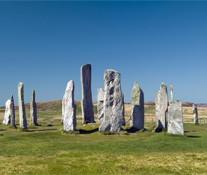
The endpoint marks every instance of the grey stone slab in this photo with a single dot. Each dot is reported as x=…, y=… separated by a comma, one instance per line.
x=195, y=114
x=113, y=102
x=100, y=105
x=7, y=114
x=12, y=112
x=175, y=118
x=171, y=94
x=86, y=102
x=138, y=107
x=69, y=108
x=161, y=106
x=33, y=109
x=22, y=114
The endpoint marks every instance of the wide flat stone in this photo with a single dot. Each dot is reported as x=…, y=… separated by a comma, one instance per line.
x=113, y=102
x=175, y=118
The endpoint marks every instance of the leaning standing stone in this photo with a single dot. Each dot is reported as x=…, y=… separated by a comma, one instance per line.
x=138, y=107
x=22, y=115
x=86, y=102
x=175, y=118
x=12, y=112
x=113, y=102
x=69, y=108
x=7, y=115
x=100, y=102
x=161, y=106
x=195, y=113
x=33, y=109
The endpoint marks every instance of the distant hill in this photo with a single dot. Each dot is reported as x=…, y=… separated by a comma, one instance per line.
x=185, y=104
x=53, y=104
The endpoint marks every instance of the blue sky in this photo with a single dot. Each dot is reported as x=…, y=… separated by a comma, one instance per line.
x=44, y=44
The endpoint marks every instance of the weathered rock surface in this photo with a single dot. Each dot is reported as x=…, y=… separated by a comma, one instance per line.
x=113, y=102
x=22, y=115
x=86, y=102
x=171, y=93
x=138, y=107
x=7, y=115
x=161, y=105
x=175, y=118
x=195, y=114
x=12, y=112
x=69, y=108
x=100, y=103
x=33, y=109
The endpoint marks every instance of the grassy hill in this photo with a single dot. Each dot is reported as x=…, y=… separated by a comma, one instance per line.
x=45, y=150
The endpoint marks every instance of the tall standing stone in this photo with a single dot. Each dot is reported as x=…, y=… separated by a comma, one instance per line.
x=7, y=114
x=100, y=103
x=86, y=103
x=171, y=93
x=195, y=114
x=12, y=112
x=175, y=118
x=161, y=105
x=69, y=108
x=22, y=115
x=33, y=109
x=113, y=102
x=138, y=107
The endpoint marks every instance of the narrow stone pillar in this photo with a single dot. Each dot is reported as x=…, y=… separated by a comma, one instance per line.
x=22, y=114
x=113, y=102
x=171, y=93
x=175, y=118
x=86, y=102
x=69, y=108
x=138, y=107
x=12, y=112
x=33, y=109
x=195, y=114
x=100, y=103
x=161, y=106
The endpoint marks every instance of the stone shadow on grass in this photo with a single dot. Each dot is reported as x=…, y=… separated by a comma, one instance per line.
x=133, y=130
x=193, y=136
x=82, y=131
x=42, y=130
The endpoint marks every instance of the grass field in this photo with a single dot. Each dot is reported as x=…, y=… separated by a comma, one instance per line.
x=45, y=150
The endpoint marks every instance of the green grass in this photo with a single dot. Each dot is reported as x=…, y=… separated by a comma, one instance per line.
x=45, y=150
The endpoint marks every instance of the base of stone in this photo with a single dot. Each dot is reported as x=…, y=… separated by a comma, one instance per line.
x=23, y=130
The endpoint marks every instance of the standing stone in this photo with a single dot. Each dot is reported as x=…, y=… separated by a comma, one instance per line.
x=113, y=102
x=161, y=106
x=100, y=102
x=22, y=115
x=175, y=118
x=195, y=113
x=7, y=116
x=171, y=93
x=69, y=108
x=138, y=107
x=86, y=103
x=12, y=112
x=33, y=109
